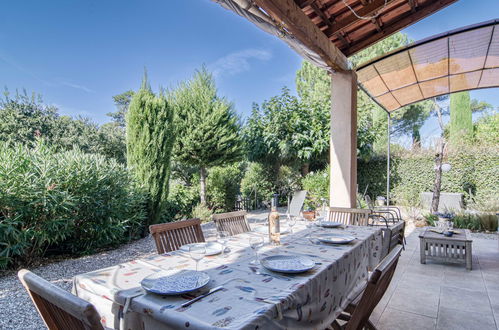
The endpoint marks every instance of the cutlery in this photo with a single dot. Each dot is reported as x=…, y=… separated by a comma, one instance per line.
x=190, y=302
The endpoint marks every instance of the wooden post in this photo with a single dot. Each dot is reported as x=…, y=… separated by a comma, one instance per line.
x=343, y=143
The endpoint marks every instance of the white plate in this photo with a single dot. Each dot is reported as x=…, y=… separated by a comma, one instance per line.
x=175, y=282
x=212, y=248
x=329, y=224
x=265, y=230
x=287, y=264
x=335, y=238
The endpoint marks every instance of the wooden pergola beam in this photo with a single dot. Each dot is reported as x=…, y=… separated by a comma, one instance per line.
x=302, y=28
x=411, y=18
x=351, y=19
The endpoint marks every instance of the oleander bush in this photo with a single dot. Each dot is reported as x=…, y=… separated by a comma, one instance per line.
x=317, y=186
x=64, y=202
x=223, y=184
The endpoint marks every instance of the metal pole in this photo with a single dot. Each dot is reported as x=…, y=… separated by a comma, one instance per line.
x=388, y=163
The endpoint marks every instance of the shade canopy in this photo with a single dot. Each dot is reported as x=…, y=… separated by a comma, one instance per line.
x=458, y=60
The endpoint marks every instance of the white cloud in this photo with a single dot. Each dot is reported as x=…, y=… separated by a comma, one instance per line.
x=76, y=86
x=238, y=62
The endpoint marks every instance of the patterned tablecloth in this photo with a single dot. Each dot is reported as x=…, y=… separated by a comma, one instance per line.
x=252, y=298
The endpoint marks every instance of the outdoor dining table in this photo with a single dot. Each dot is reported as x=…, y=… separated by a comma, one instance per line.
x=252, y=297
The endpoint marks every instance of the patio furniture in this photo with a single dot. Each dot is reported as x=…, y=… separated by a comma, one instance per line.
x=296, y=204
x=347, y=216
x=252, y=297
x=170, y=236
x=456, y=248
x=391, y=213
x=392, y=236
x=447, y=201
x=232, y=222
x=59, y=309
x=357, y=313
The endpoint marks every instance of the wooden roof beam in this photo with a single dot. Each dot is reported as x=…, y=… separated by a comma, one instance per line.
x=368, y=10
x=302, y=28
x=411, y=18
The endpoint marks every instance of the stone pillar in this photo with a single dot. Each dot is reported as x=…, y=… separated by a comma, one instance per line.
x=343, y=142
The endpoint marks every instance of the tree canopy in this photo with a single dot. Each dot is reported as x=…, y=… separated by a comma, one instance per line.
x=150, y=136
x=207, y=126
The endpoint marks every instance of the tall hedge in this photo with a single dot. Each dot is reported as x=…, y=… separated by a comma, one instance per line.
x=474, y=170
x=69, y=202
x=150, y=136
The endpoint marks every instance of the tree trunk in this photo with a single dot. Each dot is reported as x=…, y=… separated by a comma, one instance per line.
x=305, y=168
x=202, y=181
x=438, y=178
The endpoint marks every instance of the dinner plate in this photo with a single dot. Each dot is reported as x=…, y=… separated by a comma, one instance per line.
x=335, y=238
x=265, y=230
x=212, y=248
x=175, y=282
x=329, y=224
x=287, y=264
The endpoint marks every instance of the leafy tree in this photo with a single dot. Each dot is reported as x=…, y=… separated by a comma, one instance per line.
x=461, y=122
x=285, y=131
x=208, y=127
x=24, y=117
x=122, y=102
x=150, y=139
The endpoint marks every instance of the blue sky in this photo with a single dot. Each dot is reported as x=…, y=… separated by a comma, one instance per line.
x=78, y=54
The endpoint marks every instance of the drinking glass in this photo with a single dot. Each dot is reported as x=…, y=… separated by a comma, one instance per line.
x=197, y=252
x=223, y=238
x=255, y=242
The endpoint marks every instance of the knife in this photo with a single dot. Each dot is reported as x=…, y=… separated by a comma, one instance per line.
x=215, y=289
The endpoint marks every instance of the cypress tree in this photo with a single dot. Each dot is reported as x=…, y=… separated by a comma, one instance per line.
x=461, y=123
x=207, y=127
x=150, y=137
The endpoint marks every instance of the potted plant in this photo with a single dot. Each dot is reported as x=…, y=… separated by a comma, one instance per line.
x=309, y=209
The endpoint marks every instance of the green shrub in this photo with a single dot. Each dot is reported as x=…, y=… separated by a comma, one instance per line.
x=202, y=212
x=431, y=219
x=223, y=185
x=474, y=169
x=181, y=201
x=68, y=202
x=257, y=178
x=317, y=186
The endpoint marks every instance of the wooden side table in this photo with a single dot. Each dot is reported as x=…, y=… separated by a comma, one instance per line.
x=449, y=249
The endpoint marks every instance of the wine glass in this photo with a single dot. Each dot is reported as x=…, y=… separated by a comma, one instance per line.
x=291, y=223
x=223, y=238
x=197, y=252
x=255, y=242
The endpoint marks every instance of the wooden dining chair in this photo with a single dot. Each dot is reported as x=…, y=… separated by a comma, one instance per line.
x=59, y=309
x=170, y=236
x=232, y=222
x=347, y=216
x=356, y=315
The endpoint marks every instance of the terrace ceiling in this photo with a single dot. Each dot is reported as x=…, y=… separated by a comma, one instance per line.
x=326, y=32
x=458, y=60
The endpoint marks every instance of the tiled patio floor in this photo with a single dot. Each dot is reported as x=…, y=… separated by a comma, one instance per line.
x=442, y=296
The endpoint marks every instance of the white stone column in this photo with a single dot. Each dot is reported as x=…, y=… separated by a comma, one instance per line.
x=343, y=142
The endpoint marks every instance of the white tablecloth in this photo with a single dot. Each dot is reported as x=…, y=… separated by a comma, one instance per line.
x=252, y=298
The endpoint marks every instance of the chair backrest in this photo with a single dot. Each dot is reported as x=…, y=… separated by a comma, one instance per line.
x=376, y=288
x=347, y=216
x=170, y=236
x=392, y=236
x=296, y=204
x=232, y=222
x=397, y=234
x=369, y=201
x=59, y=309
